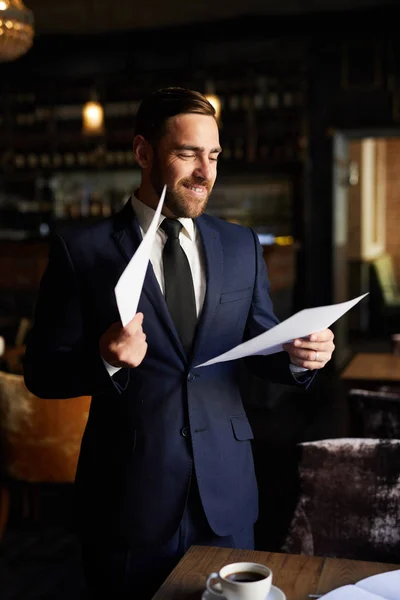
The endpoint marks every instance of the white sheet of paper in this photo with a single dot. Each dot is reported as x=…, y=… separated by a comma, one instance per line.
x=386, y=585
x=350, y=592
x=130, y=284
x=301, y=324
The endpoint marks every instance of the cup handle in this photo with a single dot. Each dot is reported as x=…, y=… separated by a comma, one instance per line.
x=210, y=585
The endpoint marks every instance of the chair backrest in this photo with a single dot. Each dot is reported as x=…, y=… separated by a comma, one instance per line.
x=383, y=268
x=375, y=413
x=349, y=500
x=24, y=326
x=40, y=438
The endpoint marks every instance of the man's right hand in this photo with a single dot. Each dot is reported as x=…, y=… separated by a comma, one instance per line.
x=124, y=346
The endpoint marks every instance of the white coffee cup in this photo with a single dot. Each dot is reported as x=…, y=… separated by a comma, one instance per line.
x=241, y=581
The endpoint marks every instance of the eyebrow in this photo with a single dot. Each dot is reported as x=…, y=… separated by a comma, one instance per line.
x=198, y=148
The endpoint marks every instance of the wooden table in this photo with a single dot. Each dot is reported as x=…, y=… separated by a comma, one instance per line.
x=373, y=368
x=296, y=575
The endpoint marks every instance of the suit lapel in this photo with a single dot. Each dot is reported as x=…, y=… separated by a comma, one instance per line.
x=128, y=236
x=213, y=256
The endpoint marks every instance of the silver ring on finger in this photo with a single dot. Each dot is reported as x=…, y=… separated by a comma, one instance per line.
x=316, y=357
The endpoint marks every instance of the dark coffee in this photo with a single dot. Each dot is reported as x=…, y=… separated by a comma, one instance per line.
x=245, y=576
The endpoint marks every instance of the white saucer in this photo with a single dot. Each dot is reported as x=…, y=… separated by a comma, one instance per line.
x=274, y=594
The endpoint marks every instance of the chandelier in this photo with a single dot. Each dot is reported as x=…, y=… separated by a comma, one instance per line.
x=16, y=29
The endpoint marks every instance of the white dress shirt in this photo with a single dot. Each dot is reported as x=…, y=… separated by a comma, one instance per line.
x=190, y=241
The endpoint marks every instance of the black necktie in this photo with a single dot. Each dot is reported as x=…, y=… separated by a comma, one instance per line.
x=179, y=291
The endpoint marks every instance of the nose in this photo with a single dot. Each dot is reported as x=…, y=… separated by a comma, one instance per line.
x=203, y=168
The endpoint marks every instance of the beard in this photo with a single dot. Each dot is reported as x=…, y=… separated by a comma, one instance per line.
x=179, y=200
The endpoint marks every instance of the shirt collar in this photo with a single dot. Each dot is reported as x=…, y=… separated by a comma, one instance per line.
x=145, y=216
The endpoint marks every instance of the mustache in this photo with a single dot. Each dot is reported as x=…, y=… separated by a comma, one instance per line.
x=199, y=181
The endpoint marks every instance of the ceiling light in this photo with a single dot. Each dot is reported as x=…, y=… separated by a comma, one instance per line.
x=215, y=103
x=16, y=29
x=93, y=118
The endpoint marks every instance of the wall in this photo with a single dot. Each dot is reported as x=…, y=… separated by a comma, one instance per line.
x=367, y=199
x=354, y=191
x=373, y=198
x=393, y=201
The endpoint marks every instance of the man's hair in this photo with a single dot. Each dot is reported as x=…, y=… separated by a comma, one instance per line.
x=156, y=109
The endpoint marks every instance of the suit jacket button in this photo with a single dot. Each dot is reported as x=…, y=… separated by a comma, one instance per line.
x=191, y=377
x=185, y=431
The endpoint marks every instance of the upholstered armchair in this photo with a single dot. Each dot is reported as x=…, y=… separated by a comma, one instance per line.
x=385, y=295
x=375, y=413
x=349, y=500
x=40, y=442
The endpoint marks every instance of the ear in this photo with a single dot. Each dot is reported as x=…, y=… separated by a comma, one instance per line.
x=142, y=151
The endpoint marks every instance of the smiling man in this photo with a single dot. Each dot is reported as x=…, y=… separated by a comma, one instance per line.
x=180, y=161
x=166, y=457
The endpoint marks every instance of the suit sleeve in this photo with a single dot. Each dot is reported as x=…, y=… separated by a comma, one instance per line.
x=274, y=367
x=62, y=360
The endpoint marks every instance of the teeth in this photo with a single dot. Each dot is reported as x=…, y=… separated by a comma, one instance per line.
x=196, y=189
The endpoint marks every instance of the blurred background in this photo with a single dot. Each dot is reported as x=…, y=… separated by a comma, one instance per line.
x=308, y=96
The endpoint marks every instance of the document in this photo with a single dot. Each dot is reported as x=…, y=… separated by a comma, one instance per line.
x=130, y=284
x=385, y=586
x=299, y=325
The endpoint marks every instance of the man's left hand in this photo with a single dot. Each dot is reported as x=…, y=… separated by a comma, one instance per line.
x=312, y=352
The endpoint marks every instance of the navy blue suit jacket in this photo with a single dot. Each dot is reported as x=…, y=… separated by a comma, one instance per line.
x=152, y=428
